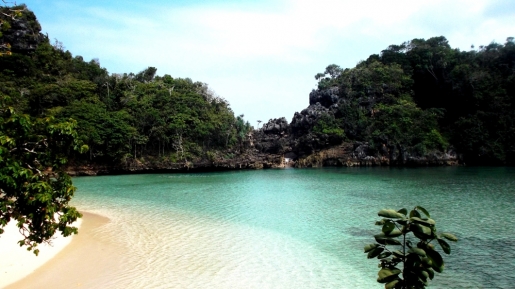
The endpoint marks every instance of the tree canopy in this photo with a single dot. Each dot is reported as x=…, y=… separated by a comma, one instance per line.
x=34, y=191
x=423, y=95
x=121, y=117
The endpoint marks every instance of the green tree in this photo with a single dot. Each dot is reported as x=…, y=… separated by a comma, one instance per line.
x=329, y=76
x=34, y=191
x=413, y=251
x=329, y=127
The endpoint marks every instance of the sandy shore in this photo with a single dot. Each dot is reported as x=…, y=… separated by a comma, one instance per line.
x=16, y=262
x=85, y=262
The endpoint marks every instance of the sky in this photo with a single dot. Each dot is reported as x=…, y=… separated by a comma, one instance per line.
x=261, y=56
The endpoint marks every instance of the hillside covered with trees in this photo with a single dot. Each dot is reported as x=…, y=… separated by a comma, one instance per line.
x=419, y=97
x=121, y=117
x=425, y=95
x=416, y=103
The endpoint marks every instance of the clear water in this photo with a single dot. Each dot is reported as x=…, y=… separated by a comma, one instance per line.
x=298, y=228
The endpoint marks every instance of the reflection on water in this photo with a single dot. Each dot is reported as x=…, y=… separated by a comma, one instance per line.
x=298, y=228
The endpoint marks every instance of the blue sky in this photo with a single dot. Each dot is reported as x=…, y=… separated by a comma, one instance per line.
x=261, y=55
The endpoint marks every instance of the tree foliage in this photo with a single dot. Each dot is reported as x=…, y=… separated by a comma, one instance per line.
x=423, y=95
x=121, y=117
x=408, y=257
x=34, y=191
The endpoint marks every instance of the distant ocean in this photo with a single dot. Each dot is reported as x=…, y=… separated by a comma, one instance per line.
x=298, y=228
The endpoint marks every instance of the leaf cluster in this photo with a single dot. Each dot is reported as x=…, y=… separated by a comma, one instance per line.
x=408, y=258
x=328, y=125
x=34, y=191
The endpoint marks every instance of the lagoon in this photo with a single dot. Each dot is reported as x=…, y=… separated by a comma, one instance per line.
x=297, y=228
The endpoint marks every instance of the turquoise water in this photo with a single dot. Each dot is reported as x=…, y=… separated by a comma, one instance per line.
x=297, y=228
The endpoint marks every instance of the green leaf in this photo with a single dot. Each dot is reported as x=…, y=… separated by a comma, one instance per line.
x=388, y=213
x=403, y=211
x=398, y=253
x=380, y=223
x=402, y=221
x=423, y=275
x=428, y=222
x=449, y=237
x=414, y=213
x=421, y=232
x=392, y=284
x=417, y=251
x=388, y=227
x=375, y=252
x=386, y=241
x=384, y=255
x=431, y=273
x=436, y=260
x=423, y=211
x=370, y=247
x=386, y=275
x=424, y=282
x=421, y=236
x=445, y=246
x=394, y=233
x=427, y=262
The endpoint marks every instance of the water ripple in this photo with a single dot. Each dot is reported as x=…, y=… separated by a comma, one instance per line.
x=296, y=228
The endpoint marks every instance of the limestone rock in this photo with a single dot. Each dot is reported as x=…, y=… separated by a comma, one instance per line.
x=306, y=119
x=24, y=35
x=326, y=97
x=275, y=126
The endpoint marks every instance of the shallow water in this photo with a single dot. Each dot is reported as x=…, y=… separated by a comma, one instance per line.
x=298, y=228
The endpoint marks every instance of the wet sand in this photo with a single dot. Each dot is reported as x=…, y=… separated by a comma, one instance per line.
x=87, y=262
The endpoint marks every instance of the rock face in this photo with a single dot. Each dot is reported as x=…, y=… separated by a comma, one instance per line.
x=248, y=160
x=276, y=126
x=307, y=138
x=326, y=97
x=305, y=145
x=305, y=120
x=278, y=150
x=357, y=154
x=273, y=137
x=24, y=36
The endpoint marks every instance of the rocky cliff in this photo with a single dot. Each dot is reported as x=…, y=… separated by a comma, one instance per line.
x=23, y=33
x=250, y=159
x=302, y=148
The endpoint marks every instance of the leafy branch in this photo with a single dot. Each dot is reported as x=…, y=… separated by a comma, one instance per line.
x=34, y=190
x=417, y=254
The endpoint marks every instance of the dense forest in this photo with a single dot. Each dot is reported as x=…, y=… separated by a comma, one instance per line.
x=412, y=99
x=120, y=116
x=423, y=95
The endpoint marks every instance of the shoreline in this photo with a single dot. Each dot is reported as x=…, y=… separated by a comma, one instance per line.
x=349, y=154
x=17, y=262
x=85, y=261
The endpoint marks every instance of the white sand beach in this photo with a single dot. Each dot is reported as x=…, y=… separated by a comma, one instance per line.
x=68, y=263
x=16, y=262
